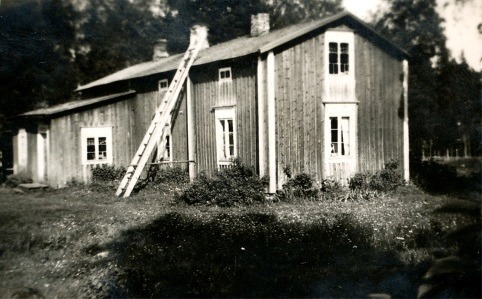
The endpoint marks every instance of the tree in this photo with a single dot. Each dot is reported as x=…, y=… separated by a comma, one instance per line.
x=416, y=27
x=287, y=12
x=112, y=35
x=34, y=62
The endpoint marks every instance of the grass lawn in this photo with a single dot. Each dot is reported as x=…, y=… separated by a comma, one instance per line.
x=85, y=242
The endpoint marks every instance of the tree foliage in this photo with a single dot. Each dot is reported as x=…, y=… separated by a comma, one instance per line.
x=442, y=92
x=34, y=58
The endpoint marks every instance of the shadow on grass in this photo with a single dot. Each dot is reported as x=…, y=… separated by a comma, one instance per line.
x=254, y=255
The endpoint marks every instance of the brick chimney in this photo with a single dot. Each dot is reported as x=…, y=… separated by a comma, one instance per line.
x=199, y=34
x=160, y=50
x=259, y=24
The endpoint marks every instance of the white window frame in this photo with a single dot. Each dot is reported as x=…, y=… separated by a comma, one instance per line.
x=341, y=111
x=339, y=37
x=225, y=79
x=225, y=113
x=161, y=82
x=96, y=133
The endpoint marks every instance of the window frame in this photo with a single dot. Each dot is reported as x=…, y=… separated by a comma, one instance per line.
x=96, y=133
x=225, y=79
x=161, y=82
x=340, y=111
x=223, y=144
x=340, y=37
x=342, y=145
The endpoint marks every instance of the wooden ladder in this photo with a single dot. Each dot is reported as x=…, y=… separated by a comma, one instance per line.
x=156, y=128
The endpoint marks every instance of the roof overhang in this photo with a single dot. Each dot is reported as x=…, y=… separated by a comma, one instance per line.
x=70, y=107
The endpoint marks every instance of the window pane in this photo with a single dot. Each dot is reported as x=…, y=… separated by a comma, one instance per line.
x=230, y=125
x=333, y=58
x=334, y=122
x=334, y=149
x=223, y=125
x=334, y=135
x=333, y=47
x=168, y=147
x=344, y=48
x=90, y=148
x=344, y=63
x=222, y=144
x=345, y=136
x=102, y=148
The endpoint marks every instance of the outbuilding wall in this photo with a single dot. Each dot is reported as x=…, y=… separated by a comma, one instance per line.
x=129, y=119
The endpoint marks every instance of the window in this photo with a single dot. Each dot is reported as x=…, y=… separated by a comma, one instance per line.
x=340, y=49
x=225, y=74
x=225, y=135
x=163, y=85
x=96, y=145
x=167, y=153
x=338, y=58
x=339, y=136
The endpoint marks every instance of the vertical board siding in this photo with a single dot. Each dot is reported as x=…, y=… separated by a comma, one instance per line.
x=299, y=78
x=379, y=90
x=129, y=119
x=241, y=93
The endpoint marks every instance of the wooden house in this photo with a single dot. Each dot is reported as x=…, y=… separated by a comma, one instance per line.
x=328, y=98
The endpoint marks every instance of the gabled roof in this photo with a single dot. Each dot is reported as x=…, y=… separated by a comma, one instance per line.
x=67, y=107
x=243, y=46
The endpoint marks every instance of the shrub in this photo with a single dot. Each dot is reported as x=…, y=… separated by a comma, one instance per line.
x=384, y=180
x=168, y=175
x=302, y=186
x=16, y=179
x=107, y=173
x=360, y=181
x=238, y=184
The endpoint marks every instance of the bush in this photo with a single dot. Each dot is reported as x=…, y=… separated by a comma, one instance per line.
x=384, y=180
x=302, y=186
x=16, y=179
x=107, y=173
x=238, y=184
x=168, y=175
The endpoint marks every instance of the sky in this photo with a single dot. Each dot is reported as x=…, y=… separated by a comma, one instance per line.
x=461, y=20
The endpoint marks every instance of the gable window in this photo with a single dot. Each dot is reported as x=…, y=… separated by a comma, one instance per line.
x=225, y=136
x=163, y=85
x=96, y=145
x=338, y=58
x=225, y=74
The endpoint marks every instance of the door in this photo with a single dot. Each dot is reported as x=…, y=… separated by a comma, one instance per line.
x=340, y=141
x=42, y=153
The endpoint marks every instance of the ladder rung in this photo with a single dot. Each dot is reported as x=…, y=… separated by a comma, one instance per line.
x=145, y=149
